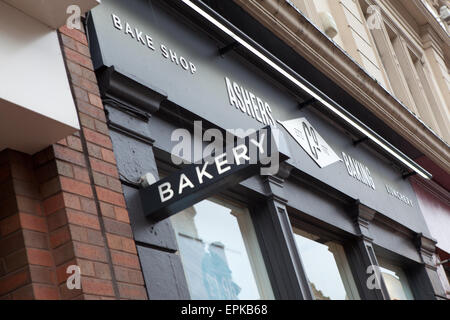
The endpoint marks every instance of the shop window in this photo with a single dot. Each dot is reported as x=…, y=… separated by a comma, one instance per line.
x=326, y=268
x=395, y=281
x=220, y=253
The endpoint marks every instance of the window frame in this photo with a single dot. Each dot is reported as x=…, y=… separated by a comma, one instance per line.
x=333, y=241
x=401, y=272
x=248, y=233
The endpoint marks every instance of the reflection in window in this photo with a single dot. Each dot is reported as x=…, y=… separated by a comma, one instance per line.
x=326, y=268
x=220, y=253
x=395, y=281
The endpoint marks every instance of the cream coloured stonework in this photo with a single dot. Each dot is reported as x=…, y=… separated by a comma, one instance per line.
x=395, y=101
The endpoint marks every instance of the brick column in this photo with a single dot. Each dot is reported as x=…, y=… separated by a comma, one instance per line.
x=27, y=265
x=65, y=206
x=113, y=265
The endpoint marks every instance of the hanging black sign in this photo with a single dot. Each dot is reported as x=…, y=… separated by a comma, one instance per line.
x=259, y=153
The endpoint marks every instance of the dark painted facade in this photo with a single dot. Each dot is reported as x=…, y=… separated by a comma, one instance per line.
x=160, y=69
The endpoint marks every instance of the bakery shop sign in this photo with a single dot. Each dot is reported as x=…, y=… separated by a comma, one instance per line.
x=195, y=182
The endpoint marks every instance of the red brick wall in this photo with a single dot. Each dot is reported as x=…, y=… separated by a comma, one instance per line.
x=27, y=261
x=65, y=206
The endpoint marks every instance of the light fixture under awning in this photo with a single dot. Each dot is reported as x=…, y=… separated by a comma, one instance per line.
x=302, y=84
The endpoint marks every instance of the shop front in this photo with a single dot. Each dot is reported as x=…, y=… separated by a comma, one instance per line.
x=335, y=212
x=434, y=203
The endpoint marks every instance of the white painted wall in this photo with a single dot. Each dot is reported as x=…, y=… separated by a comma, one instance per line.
x=52, y=13
x=33, y=83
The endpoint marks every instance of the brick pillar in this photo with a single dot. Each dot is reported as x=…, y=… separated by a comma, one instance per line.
x=65, y=206
x=27, y=265
x=103, y=240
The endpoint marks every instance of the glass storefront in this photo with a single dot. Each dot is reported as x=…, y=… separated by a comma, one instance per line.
x=220, y=253
x=217, y=254
x=395, y=281
x=326, y=268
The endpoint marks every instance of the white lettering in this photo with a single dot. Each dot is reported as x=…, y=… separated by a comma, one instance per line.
x=248, y=102
x=358, y=171
x=149, y=42
x=203, y=173
x=220, y=164
x=173, y=57
x=184, y=182
x=165, y=192
x=184, y=63
x=237, y=90
x=116, y=22
x=231, y=95
x=259, y=144
x=255, y=107
x=192, y=67
x=262, y=110
x=128, y=30
x=139, y=36
x=242, y=155
x=164, y=51
x=269, y=114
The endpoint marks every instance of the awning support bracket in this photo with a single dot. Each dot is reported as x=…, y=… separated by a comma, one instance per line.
x=410, y=174
x=306, y=103
x=228, y=48
x=359, y=141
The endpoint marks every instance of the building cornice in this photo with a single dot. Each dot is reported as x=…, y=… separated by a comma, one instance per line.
x=297, y=31
x=434, y=189
x=431, y=38
x=431, y=20
x=434, y=27
x=397, y=21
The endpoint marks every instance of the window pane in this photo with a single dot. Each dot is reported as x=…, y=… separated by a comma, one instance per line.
x=326, y=268
x=395, y=281
x=220, y=256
